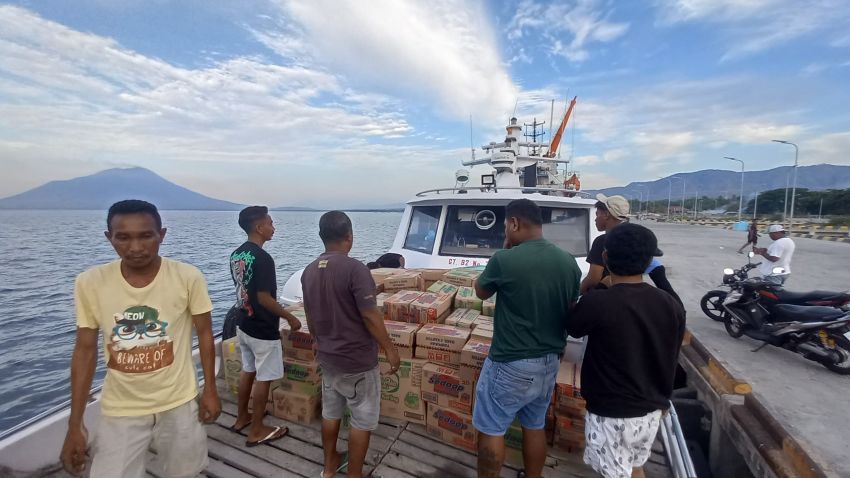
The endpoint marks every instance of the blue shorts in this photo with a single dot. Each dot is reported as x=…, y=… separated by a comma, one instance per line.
x=263, y=357
x=506, y=390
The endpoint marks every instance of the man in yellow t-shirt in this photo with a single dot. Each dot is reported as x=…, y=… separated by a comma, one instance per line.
x=144, y=306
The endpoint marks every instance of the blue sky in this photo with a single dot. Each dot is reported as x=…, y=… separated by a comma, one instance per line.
x=335, y=103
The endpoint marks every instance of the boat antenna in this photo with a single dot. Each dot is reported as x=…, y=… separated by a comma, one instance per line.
x=551, y=116
x=471, y=145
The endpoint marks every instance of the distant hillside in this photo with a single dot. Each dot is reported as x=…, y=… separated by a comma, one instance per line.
x=714, y=182
x=100, y=190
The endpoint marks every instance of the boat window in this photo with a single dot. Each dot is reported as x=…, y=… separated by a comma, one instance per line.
x=567, y=228
x=473, y=231
x=423, y=228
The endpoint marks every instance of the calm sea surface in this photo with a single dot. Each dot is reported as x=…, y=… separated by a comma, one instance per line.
x=42, y=251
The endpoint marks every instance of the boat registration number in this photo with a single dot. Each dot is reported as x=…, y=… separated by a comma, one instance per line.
x=465, y=262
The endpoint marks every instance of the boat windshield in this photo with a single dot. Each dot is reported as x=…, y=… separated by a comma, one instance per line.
x=423, y=229
x=478, y=231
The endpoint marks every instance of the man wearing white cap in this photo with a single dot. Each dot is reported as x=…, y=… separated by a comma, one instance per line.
x=777, y=255
x=610, y=213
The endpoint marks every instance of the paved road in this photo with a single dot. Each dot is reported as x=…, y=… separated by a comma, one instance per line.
x=807, y=399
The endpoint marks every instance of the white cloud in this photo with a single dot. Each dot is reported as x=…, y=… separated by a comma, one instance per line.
x=753, y=26
x=569, y=27
x=441, y=53
x=833, y=148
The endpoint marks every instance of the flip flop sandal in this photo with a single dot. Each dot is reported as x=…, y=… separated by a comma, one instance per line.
x=520, y=474
x=276, y=434
x=239, y=430
x=343, y=466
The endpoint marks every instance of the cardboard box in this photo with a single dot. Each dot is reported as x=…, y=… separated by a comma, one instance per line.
x=452, y=427
x=472, y=359
x=397, y=307
x=482, y=333
x=438, y=356
x=400, y=391
x=441, y=384
x=466, y=299
x=488, y=307
x=484, y=320
x=404, y=280
x=303, y=388
x=295, y=407
x=382, y=274
x=442, y=337
x=301, y=371
x=463, y=277
x=231, y=358
x=568, y=381
x=297, y=345
x=568, y=422
x=380, y=299
x=430, y=308
x=441, y=287
x=431, y=276
x=463, y=318
x=403, y=336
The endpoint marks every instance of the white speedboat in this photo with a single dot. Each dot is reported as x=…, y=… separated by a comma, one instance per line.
x=462, y=225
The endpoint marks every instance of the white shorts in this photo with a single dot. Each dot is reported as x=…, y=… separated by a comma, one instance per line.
x=616, y=445
x=265, y=357
x=121, y=444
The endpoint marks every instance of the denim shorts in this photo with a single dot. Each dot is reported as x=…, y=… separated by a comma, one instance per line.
x=265, y=357
x=522, y=388
x=359, y=392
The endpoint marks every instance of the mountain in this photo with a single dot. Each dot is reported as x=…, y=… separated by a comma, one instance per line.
x=714, y=182
x=101, y=190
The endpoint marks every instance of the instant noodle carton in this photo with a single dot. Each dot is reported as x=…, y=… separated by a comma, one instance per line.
x=463, y=277
x=403, y=336
x=488, y=307
x=441, y=287
x=441, y=384
x=404, y=280
x=430, y=308
x=380, y=299
x=568, y=399
x=400, y=391
x=382, y=274
x=431, y=276
x=231, y=359
x=295, y=407
x=297, y=345
x=452, y=427
x=463, y=318
x=397, y=307
x=472, y=360
x=482, y=332
x=466, y=299
x=440, y=343
x=302, y=371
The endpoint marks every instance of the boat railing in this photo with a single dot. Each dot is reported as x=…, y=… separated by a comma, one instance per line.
x=66, y=405
x=678, y=456
x=484, y=189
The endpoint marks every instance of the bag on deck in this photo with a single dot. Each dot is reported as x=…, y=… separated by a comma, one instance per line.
x=232, y=320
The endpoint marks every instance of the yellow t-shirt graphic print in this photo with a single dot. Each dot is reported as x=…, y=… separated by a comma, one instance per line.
x=147, y=334
x=140, y=342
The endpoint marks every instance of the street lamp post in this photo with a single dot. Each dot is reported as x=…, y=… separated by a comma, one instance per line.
x=669, y=195
x=683, y=194
x=646, y=190
x=741, y=198
x=794, y=186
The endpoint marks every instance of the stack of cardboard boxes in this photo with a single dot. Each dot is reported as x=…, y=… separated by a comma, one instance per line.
x=297, y=396
x=231, y=357
x=570, y=409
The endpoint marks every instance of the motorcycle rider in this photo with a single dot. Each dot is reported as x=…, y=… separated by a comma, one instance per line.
x=778, y=255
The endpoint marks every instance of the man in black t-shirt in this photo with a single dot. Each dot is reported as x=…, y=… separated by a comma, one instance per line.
x=634, y=335
x=253, y=273
x=610, y=213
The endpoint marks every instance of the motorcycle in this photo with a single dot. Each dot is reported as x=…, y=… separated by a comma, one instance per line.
x=818, y=333
x=771, y=294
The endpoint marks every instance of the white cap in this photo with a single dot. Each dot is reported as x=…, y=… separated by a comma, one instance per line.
x=775, y=228
x=618, y=206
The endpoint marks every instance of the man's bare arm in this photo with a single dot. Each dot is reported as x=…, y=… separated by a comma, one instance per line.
x=210, y=406
x=594, y=276
x=374, y=321
x=83, y=363
x=481, y=292
x=272, y=305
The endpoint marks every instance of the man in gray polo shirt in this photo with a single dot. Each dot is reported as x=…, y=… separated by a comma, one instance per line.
x=342, y=315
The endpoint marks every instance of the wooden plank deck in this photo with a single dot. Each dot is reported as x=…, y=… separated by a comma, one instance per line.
x=397, y=450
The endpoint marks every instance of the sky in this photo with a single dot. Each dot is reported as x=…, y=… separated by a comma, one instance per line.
x=342, y=103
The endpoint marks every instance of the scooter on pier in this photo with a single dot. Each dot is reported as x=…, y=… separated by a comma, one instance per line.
x=818, y=333
x=771, y=294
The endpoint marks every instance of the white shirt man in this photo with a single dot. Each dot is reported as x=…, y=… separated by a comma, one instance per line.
x=777, y=255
